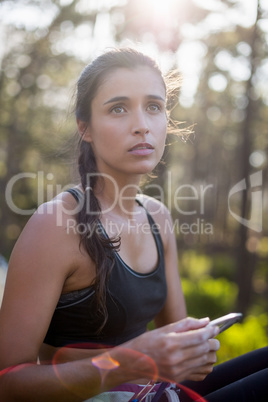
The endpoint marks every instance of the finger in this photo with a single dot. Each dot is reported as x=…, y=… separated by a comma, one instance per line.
x=194, y=337
x=182, y=369
x=212, y=357
x=196, y=377
x=186, y=324
x=190, y=358
x=198, y=366
x=178, y=347
x=190, y=323
x=200, y=376
x=207, y=368
x=214, y=344
x=202, y=371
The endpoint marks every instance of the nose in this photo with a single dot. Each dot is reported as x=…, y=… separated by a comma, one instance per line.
x=139, y=125
x=141, y=130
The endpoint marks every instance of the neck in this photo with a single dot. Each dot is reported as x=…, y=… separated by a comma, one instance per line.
x=118, y=196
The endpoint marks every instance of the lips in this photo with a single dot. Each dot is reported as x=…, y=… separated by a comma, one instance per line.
x=141, y=146
x=142, y=149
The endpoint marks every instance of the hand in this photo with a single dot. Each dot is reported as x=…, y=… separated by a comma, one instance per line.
x=180, y=351
x=207, y=368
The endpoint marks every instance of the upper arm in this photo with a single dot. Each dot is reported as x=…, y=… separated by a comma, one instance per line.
x=174, y=308
x=36, y=274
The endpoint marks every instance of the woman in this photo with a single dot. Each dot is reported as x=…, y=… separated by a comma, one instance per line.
x=96, y=264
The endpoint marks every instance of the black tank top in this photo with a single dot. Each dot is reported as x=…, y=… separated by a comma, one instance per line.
x=133, y=300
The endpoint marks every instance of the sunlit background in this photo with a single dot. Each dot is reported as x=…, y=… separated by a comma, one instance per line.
x=221, y=50
x=171, y=31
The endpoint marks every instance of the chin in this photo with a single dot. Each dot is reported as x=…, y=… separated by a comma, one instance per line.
x=146, y=167
x=144, y=170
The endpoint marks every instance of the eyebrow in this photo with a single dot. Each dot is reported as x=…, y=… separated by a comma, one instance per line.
x=126, y=98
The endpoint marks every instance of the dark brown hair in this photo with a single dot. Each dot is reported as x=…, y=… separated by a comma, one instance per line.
x=94, y=241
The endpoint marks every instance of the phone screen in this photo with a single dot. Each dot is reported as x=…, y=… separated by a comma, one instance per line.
x=226, y=321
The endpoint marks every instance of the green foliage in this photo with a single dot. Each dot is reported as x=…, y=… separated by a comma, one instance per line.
x=223, y=266
x=209, y=297
x=243, y=337
x=195, y=265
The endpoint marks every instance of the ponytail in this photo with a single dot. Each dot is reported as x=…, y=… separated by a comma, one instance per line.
x=98, y=246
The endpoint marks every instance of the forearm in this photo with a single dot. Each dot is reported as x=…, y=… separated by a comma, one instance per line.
x=68, y=382
x=174, y=352
x=49, y=353
x=48, y=383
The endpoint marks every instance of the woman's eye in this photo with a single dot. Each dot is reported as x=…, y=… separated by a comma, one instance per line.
x=154, y=107
x=118, y=109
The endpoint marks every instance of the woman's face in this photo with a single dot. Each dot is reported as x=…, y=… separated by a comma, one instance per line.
x=128, y=122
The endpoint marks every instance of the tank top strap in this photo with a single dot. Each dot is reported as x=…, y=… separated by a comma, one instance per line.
x=77, y=194
x=149, y=216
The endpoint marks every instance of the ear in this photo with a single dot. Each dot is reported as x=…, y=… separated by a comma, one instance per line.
x=84, y=130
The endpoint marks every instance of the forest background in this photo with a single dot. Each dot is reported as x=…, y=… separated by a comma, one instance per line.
x=214, y=181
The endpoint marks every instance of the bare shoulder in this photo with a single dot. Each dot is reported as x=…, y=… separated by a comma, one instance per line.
x=58, y=210
x=48, y=234
x=56, y=213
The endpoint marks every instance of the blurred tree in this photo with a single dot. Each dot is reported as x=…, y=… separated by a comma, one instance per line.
x=247, y=256
x=38, y=67
x=230, y=108
x=33, y=83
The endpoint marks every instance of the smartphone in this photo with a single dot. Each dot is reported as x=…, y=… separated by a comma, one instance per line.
x=226, y=321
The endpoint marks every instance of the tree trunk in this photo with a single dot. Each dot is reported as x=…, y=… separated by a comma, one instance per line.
x=247, y=260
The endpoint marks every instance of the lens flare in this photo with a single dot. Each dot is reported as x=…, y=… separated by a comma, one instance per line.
x=105, y=362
